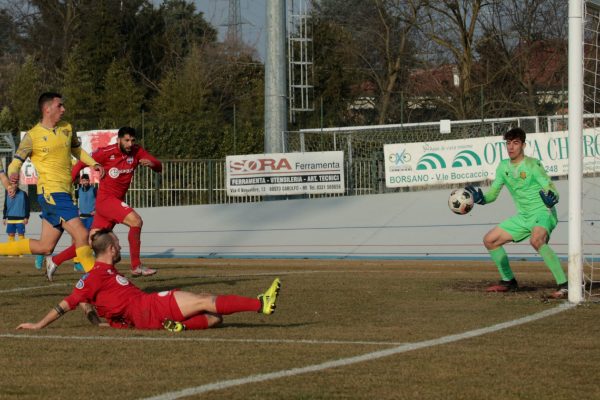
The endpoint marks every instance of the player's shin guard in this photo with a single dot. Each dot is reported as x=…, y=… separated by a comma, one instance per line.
x=552, y=261
x=86, y=257
x=500, y=258
x=135, y=242
x=65, y=255
x=15, y=248
x=229, y=304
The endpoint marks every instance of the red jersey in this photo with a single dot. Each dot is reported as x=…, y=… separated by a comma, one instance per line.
x=114, y=296
x=119, y=168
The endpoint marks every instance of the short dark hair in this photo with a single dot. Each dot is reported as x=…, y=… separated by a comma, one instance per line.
x=101, y=239
x=85, y=176
x=45, y=98
x=515, y=133
x=126, y=130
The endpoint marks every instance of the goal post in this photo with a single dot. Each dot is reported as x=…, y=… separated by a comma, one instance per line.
x=575, y=255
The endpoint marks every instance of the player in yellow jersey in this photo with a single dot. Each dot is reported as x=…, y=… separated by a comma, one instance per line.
x=50, y=145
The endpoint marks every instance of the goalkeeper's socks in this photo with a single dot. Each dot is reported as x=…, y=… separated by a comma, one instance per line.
x=500, y=258
x=229, y=304
x=552, y=261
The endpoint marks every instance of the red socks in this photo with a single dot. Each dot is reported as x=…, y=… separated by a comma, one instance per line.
x=67, y=254
x=135, y=242
x=196, y=322
x=229, y=304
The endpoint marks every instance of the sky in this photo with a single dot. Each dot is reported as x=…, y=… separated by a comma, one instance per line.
x=253, y=18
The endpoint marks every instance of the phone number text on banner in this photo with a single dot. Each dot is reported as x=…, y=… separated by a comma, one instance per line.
x=285, y=173
x=476, y=159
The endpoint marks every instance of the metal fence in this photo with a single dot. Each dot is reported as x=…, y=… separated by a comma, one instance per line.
x=190, y=182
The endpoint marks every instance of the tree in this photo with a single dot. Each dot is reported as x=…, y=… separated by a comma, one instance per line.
x=158, y=40
x=524, y=50
x=49, y=31
x=121, y=97
x=23, y=91
x=453, y=26
x=364, y=51
x=81, y=98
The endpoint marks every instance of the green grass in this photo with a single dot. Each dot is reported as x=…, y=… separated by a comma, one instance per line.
x=328, y=310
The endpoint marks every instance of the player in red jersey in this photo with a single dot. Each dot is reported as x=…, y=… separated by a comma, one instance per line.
x=126, y=306
x=120, y=161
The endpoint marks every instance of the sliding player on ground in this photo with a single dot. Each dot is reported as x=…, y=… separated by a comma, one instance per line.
x=126, y=306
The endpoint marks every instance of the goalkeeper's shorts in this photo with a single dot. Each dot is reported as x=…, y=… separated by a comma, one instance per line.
x=520, y=226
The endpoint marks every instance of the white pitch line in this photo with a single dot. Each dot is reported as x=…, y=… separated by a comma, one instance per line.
x=22, y=289
x=358, y=359
x=180, y=339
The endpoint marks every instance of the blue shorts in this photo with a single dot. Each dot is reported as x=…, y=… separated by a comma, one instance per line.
x=57, y=208
x=87, y=222
x=19, y=228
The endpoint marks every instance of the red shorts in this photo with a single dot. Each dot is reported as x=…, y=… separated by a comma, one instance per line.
x=150, y=311
x=109, y=212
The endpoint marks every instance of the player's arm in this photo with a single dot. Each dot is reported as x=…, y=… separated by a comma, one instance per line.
x=23, y=151
x=4, y=179
x=55, y=313
x=549, y=194
x=148, y=160
x=77, y=169
x=492, y=194
x=83, y=156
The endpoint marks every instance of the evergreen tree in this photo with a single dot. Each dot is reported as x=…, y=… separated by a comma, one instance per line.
x=23, y=92
x=121, y=97
x=79, y=91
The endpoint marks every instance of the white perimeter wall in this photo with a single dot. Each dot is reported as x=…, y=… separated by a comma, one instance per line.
x=399, y=225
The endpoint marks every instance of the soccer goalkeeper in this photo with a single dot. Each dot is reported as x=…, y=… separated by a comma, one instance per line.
x=535, y=196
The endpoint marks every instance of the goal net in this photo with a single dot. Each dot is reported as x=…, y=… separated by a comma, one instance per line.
x=590, y=188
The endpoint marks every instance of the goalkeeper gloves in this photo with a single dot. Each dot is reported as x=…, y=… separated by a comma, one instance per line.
x=549, y=198
x=476, y=193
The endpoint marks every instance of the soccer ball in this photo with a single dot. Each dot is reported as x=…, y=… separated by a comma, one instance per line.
x=460, y=201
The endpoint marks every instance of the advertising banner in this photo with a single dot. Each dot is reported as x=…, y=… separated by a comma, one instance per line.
x=476, y=159
x=90, y=141
x=278, y=174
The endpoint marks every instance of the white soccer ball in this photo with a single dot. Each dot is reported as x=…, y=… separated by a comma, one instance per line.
x=460, y=201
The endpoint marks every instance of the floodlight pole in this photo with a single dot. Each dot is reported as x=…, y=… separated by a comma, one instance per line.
x=275, y=77
x=575, y=273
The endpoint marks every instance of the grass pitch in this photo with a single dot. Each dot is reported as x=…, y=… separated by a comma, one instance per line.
x=328, y=311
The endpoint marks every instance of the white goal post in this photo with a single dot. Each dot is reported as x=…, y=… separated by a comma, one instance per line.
x=575, y=259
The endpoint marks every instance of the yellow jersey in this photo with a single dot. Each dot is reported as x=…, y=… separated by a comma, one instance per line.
x=50, y=152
